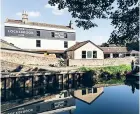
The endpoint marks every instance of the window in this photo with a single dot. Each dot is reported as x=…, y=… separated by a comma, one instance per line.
x=65, y=44
x=89, y=90
x=89, y=54
x=83, y=54
x=106, y=55
x=94, y=54
x=38, y=43
x=115, y=55
x=38, y=33
x=84, y=92
x=52, y=34
x=37, y=108
x=94, y=90
x=65, y=35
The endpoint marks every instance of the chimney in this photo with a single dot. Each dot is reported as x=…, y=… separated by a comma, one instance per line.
x=24, y=17
x=70, y=24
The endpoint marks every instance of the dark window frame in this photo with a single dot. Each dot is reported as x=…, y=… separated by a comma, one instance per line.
x=65, y=35
x=94, y=54
x=38, y=43
x=65, y=44
x=37, y=33
x=84, y=55
x=52, y=34
x=84, y=92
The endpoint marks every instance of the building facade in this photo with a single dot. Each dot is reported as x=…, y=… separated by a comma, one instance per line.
x=38, y=36
x=85, y=50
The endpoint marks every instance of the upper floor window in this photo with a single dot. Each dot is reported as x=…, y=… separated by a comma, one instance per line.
x=94, y=54
x=52, y=33
x=83, y=54
x=38, y=33
x=38, y=43
x=65, y=44
x=65, y=35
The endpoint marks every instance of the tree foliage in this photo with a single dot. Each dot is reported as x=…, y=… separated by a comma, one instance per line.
x=84, y=11
x=124, y=18
x=126, y=22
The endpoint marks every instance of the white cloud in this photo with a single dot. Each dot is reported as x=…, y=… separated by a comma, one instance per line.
x=30, y=13
x=55, y=9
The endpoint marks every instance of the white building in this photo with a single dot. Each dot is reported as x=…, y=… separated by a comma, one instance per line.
x=85, y=50
x=38, y=36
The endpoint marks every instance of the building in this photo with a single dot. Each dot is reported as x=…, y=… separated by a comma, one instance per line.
x=39, y=36
x=134, y=53
x=84, y=50
x=88, y=95
x=114, y=52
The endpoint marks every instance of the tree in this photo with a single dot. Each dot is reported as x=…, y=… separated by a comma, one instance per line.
x=126, y=22
x=84, y=11
x=124, y=18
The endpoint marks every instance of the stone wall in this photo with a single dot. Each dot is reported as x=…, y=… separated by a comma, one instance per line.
x=103, y=62
x=27, y=58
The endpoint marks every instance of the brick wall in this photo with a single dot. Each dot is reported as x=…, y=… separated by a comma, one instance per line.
x=27, y=58
x=103, y=62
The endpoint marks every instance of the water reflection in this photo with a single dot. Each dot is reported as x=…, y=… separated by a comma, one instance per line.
x=51, y=92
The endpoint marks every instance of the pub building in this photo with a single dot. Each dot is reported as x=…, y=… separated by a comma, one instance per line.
x=39, y=37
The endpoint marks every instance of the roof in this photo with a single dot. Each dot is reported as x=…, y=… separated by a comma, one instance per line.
x=48, y=51
x=88, y=97
x=38, y=24
x=80, y=44
x=7, y=45
x=134, y=52
x=114, y=49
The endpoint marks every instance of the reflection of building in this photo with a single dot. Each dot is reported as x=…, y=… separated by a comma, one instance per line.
x=88, y=95
x=58, y=103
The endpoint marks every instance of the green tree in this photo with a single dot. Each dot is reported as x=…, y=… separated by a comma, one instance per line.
x=126, y=22
x=124, y=16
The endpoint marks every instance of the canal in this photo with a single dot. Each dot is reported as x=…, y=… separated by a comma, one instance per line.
x=115, y=100
x=83, y=97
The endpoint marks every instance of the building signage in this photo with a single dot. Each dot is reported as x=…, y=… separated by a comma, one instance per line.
x=59, y=104
x=59, y=35
x=18, y=31
x=21, y=111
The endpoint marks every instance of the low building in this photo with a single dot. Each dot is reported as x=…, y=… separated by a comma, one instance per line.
x=84, y=50
x=114, y=52
x=134, y=53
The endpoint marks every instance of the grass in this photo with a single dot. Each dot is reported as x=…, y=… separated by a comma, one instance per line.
x=108, y=69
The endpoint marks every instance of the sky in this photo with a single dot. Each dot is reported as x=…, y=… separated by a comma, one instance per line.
x=41, y=11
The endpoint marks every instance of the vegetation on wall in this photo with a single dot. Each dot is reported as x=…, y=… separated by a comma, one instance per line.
x=108, y=75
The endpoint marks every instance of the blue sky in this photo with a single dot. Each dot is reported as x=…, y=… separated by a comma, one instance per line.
x=40, y=11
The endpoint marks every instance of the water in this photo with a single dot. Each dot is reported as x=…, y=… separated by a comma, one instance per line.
x=122, y=99
x=114, y=100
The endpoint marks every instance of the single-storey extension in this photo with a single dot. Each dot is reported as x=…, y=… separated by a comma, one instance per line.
x=114, y=52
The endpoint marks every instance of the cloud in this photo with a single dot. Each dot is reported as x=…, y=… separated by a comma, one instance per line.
x=30, y=13
x=55, y=9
